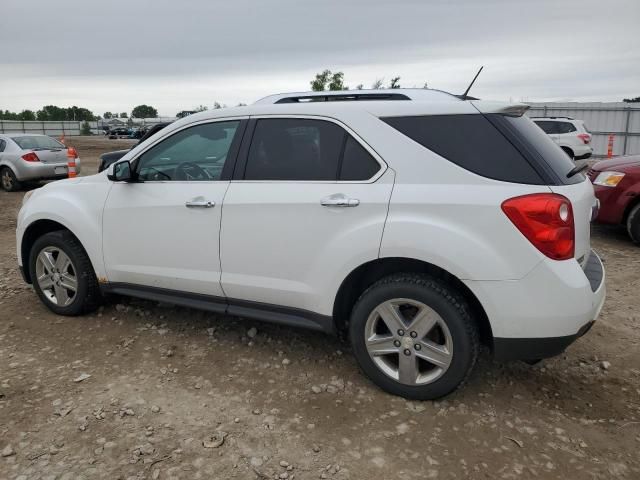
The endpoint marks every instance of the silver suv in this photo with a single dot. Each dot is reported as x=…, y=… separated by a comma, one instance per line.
x=570, y=134
x=32, y=157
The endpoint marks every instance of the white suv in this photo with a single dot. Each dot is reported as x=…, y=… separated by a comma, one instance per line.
x=572, y=135
x=418, y=224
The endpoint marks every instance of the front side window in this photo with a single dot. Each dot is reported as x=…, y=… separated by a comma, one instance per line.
x=194, y=154
x=298, y=149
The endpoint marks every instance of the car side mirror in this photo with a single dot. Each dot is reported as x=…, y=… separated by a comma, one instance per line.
x=120, y=172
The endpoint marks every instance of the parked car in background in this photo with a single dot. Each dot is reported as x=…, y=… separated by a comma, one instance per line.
x=572, y=135
x=617, y=185
x=29, y=157
x=119, y=132
x=107, y=159
x=383, y=220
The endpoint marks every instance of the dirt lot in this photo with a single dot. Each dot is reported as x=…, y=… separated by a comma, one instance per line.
x=177, y=393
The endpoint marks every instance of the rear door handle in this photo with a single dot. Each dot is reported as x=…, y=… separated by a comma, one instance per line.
x=199, y=204
x=339, y=200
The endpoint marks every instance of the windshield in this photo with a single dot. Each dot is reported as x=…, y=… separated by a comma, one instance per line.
x=37, y=142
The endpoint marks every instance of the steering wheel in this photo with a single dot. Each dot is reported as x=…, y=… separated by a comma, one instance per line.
x=191, y=171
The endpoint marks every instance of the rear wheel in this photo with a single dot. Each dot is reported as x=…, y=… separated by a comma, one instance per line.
x=413, y=336
x=62, y=274
x=633, y=224
x=8, y=180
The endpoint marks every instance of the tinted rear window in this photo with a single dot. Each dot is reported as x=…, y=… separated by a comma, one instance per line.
x=473, y=143
x=539, y=147
x=35, y=142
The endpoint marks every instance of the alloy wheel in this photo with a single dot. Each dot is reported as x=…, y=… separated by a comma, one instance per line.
x=408, y=341
x=56, y=276
x=7, y=181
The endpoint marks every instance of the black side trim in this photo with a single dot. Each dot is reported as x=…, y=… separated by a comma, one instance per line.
x=534, y=348
x=293, y=317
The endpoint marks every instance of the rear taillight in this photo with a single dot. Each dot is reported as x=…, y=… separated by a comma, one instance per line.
x=585, y=137
x=30, y=157
x=546, y=219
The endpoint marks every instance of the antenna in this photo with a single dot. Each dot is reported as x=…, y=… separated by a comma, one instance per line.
x=464, y=95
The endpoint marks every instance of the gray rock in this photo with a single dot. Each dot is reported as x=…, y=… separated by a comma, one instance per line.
x=8, y=451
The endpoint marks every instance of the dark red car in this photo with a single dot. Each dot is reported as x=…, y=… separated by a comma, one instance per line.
x=617, y=186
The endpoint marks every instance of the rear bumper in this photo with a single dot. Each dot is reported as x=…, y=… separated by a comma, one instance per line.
x=543, y=313
x=535, y=348
x=31, y=171
x=581, y=151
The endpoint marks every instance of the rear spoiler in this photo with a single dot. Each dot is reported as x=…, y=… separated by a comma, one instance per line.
x=508, y=109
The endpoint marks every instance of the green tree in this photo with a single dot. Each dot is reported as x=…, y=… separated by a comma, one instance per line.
x=217, y=105
x=85, y=129
x=78, y=114
x=51, y=113
x=124, y=115
x=395, y=82
x=631, y=100
x=202, y=108
x=144, y=111
x=328, y=80
x=359, y=86
x=377, y=84
x=107, y=115
x=27, y=115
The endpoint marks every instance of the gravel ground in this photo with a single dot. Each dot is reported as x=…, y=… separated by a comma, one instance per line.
x=142, y=390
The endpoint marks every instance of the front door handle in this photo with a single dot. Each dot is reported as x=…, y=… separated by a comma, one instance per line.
x=339, y=200
x=199, y=204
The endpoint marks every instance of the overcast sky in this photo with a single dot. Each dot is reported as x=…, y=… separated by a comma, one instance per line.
x=178, y=54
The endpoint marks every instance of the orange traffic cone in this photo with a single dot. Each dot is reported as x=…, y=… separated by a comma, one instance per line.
x=71, y=162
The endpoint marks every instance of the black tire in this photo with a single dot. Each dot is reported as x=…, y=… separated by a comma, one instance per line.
x=87, y=296
x=8, y=180
x=439, y=297
x=633, y=224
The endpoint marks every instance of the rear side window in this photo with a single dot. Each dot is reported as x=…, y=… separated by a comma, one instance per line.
x=2, y=145
x=298, y=149
x=471, y=142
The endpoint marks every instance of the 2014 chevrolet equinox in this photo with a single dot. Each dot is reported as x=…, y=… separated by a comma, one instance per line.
x=419, y=224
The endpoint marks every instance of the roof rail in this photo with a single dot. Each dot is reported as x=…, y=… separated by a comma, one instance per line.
x=342, y=97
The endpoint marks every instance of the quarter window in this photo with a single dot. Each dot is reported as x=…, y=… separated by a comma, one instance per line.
x=298, y=149
x=357, y=163
x=194, y=154
x=2, y=145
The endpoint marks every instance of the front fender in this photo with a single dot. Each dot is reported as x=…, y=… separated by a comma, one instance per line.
x=77, y=206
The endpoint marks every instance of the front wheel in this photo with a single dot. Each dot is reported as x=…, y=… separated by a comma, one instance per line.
x=62, y=274
x=633, y=224
x=413, y=336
